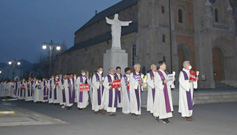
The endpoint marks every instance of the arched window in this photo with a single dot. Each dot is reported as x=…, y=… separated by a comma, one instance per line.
x=163, y=38
x=216, y=15
x=134, y=53
x=180, y=15
x=162, y=9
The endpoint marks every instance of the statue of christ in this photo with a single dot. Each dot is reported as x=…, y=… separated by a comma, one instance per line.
x=116, y=26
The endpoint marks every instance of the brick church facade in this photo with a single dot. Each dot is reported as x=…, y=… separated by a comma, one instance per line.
x=201, y=31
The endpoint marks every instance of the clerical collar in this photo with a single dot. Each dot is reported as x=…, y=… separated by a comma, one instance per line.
x=185, y=70
x=161, y=70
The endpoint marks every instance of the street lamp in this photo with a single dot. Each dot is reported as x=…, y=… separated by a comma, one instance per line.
x=14, y=63
x=0, y=75
x=51, y=46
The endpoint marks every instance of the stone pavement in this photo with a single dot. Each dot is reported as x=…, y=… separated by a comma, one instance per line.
x=211, y=119
x=12, y=115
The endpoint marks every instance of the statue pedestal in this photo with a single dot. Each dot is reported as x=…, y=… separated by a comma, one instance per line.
x=113, y=58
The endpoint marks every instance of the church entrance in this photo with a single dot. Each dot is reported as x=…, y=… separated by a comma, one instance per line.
x=217, y=64
x=224, y=64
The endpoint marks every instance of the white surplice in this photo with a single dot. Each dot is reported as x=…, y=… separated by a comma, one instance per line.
x=85, y=94
x=125, y=94
x=184, y=87
x=135, y=100
x=151, y=85
x=96, y=85
x=159, y=107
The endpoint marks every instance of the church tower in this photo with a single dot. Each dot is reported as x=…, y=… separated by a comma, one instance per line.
x=154, y=42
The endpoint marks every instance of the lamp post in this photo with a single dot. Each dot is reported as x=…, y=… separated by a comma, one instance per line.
x=0, y=75
x=14, y=63
x=51, y=46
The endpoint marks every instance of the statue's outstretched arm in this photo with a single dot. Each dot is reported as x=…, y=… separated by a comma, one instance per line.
x=109, y=21
x=125, y=23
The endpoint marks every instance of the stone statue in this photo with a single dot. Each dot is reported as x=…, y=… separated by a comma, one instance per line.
x=116, y=25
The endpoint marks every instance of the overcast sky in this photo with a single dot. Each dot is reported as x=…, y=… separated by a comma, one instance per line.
x=26, y=24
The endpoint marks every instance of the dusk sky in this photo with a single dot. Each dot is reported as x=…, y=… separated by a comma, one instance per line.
x=26, y=24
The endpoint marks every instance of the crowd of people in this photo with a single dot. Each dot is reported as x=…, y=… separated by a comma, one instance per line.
x=107, y=93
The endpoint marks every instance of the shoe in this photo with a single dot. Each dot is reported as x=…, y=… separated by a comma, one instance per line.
x=62, y=106
x=166, y=121
x=68, y=108
x=96, y=112
x=102, y=112
x=112, y=114
x=189, y=119
x=138, y=116
x=157, y=118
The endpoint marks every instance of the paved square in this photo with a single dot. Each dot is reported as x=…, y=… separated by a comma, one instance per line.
x=211, y=119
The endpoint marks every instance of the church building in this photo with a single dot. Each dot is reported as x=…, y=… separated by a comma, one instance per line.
x=201, y=31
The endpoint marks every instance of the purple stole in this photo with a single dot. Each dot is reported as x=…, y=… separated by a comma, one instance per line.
x=63, y=92
x=98, y=90
x=71, y=91
x=45, y=90
x=126, y=81
x=50, y=89
x=18, y=92
x=28, y=89
x=111, y=94
x=188, y=93
x=118, y=92
x=153, y=90
x=21, y=89
x=39, y=86
x=137, y=78
x=165, y=90
x=81, y=92
x=55, y=90
x=32, y=91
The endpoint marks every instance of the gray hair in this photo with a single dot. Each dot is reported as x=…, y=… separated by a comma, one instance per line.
x=185, y=62
x=136, y=65
x=152, y=65
x=111, y=69
x=83, y=71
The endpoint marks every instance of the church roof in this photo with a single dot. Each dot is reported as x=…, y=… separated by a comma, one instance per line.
x=109, y=11
x=101, y=38
x=100, y=16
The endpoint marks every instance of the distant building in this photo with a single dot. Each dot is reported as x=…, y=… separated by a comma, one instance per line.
x=7, y=73
x=202, y=31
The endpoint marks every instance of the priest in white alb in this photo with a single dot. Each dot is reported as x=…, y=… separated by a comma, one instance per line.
x=126, y=91
x=110, y=95
x=186, y=92
x=82, y=95
x=98, y=90
x=163, y=106
x=136, y=87
x=118, y=76
x=151, y=88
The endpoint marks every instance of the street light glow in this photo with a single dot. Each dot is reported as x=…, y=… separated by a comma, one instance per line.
x=58, y=48
x=44, y=47
x=18, y=63
x=9, y=62
x=0, y=71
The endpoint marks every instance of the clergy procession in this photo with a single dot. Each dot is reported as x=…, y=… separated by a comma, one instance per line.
x=106, y=93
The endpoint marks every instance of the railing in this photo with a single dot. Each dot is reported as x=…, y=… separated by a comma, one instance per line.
x=220, y=26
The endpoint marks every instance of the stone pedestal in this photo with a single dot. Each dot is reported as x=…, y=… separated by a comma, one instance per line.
x=113, y=58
